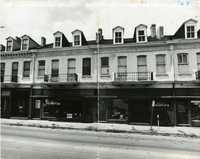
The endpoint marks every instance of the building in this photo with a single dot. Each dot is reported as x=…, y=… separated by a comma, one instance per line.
x=119, y=80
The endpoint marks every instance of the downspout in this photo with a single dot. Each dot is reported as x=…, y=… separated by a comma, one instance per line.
x=32, y=82
x=171, y=47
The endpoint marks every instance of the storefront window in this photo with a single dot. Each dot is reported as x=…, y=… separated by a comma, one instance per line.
x=118, y=110
x=195, y=110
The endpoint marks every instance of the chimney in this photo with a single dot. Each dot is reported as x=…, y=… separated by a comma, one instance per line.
x=18, y=40
x=160, y=32
x=99, y=35
x=43, y=41
x=153, y=30
x=2, y=47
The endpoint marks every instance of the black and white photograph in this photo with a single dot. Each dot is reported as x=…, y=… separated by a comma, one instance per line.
x=100, y=79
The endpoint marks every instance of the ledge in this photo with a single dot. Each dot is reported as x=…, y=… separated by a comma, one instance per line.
x=86, y=76
x=105, y=76
x=162, y=74
x=184, y=74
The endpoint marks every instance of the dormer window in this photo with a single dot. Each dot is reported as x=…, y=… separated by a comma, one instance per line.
x=57, y=41
x=25, y=44
x=9, y=46
x=76, y=40
x=190, y=32
x=118, y=37
x=141, y=33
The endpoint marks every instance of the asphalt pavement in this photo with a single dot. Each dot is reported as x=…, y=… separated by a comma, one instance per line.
x=108, y=127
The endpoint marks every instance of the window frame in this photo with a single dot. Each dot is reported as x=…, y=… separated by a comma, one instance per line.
x=41, y=69
x=141, y=36
x=14, y=76
x=26, y=71
x=86, y=70
x=77, y=40
x=25, y=44
x=56, y=69
x=118, y=38
x=142, y=65
x=158, y=64
x=105, y=66
x=57, y=41
x=121, y=65
x=3, y=66
x=70, y=67
x=9, y=45
x=182, y=63
x=198, y=60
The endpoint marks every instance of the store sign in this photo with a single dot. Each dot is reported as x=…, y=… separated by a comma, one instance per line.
x=195, y=102
x=161, y=104
x=51, y=102
x=69, y=116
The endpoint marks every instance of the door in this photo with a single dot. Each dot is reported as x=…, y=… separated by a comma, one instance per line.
x=102, y=111
x=182, y=112
x=37, y=108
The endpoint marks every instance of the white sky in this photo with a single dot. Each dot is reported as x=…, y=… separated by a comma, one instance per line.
x=42, y=18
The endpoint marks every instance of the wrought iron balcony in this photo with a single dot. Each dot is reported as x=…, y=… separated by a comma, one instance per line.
x=68, y=77
x=10, y=79
x=133, y=76
x=197, y=75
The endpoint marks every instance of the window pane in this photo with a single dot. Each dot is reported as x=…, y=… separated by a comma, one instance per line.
x=15, y=65
x=141, y=60
x=183, y=68
x=104, y=62
x=87, y=66
x=55, y=63
x=160, y=59
x=2, y=66
x=121, y=61
x=141, y=32
x=160, y=68
x=184, y=58
x=26, y=65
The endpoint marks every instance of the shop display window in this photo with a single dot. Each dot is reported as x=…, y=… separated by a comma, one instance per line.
x=195, y=110
x=118, y=110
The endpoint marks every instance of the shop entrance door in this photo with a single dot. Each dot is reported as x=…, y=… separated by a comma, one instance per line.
x=37, y=109
x=182, y=112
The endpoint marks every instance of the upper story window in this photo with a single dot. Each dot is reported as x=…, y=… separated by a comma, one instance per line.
x=87, y=66
x=9, y=46
x=190, y=32
x=190, y=28
x=14, y=77
x=71, y=66
x=118, y=35
x=141, y=33
x=183, y=63
x=142, y=63
x=2, y=71
x=160, y=64
x=104, y=66
x=77, y=40
x=25, y=44
x=57, y=41
x=198, y=61
x=122, y=64
x=55, y=68
x=41, y=68
x=26, y=72
x=141, y=36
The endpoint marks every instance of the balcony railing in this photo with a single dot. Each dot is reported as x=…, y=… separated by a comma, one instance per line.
x=197, y=75
x=10, y=79
x=69, y=77
x=133, y=76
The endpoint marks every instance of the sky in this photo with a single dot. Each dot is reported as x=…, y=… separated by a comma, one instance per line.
x=42, y=18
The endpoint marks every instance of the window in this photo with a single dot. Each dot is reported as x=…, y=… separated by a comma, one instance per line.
x=182, y=63
x=9, y=45
x=26, y=69
x=104, y=66
x=122, y=66
x=71, y=65
x=76, y=40
x=41, y=68
x=141, y=35
x=160, y=63
x=86, y=66
x=14, y=77
x=198, y=61
x=141, y=64
x=25, y=44
x=190, y=32
x=5, y=104
x=57, y=42
x=118, y=37
x=55, y=68
x=2, y=71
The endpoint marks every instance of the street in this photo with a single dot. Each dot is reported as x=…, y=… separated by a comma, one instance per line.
x=18, y=142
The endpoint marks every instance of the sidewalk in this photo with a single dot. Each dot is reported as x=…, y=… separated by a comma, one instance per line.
x=108, y=127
